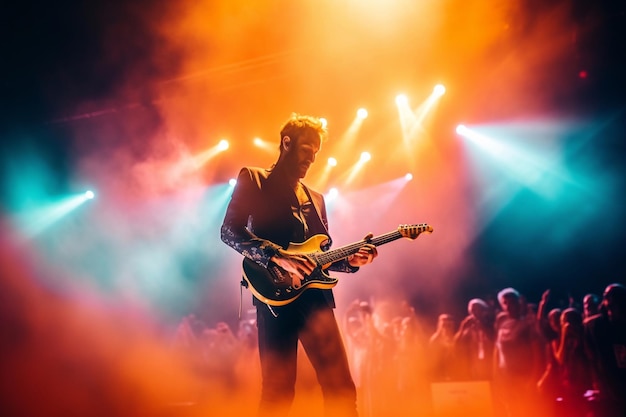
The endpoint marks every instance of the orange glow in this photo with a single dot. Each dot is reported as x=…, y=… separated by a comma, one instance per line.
x=237, y=69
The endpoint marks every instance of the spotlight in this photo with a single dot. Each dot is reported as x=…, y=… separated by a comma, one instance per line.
x=332, y=193
x=408, y=177
x=257, y=142
x=89, y=195
x=361, y=113
x=402, y=100
x=365, y=156
x=232, y=182
x=439, y=90
x=324, y=122
x=223, y=145
x=462, y=130
x=332, y=162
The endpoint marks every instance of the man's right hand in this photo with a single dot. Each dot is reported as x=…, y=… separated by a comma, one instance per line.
x=298, y=266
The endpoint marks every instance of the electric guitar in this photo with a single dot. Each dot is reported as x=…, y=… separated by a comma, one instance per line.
x=274, y=286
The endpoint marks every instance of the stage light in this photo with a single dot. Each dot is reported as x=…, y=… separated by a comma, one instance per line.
x=408, y=177
x=462, y=130
x=332, y=194
x=223, y=145
x=365, y=156
x=332, y=162
x=89, y=194
x=439, y=90
x=324, y=122
x=361, y=113
x=402, y=100
x=257, y=142
x=232, y=182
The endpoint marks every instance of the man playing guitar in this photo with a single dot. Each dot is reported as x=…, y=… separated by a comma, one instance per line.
x=269, y=209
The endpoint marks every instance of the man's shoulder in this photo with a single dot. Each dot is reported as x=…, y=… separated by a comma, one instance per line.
x=256, y=171
x=255, y=174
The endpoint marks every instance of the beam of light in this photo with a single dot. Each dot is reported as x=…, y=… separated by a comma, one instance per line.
x=412, y=120
x=378, y=199
x=35, y=221
x=511, y=170
x=526, y=167
x=426, y=107
x=199, y=160
x=408, y=176
x=358, y=167
x=215, y=200
x=321, y=181
x=347, y=139
x=407, y=118
x=545, y=177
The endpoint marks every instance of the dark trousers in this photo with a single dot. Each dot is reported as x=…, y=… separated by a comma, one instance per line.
x=314, y=324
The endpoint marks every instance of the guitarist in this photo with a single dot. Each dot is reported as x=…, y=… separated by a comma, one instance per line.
x=269, y=209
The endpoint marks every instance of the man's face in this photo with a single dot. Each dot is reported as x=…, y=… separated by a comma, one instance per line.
x=302, y=153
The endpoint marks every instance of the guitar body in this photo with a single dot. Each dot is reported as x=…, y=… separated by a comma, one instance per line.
x=273, y=285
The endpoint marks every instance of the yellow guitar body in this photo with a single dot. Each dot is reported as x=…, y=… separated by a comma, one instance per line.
x=273, y=285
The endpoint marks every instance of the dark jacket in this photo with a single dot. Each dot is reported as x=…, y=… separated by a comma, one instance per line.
x=261, y=218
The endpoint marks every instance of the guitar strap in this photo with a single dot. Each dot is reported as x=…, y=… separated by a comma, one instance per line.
x=318, y=210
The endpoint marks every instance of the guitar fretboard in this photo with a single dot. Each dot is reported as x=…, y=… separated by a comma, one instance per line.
x=323, y=258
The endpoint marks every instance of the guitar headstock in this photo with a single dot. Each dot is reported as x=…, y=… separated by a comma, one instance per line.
x=412, y=231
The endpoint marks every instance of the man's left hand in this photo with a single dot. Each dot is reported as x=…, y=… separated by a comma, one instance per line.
x=365, y=255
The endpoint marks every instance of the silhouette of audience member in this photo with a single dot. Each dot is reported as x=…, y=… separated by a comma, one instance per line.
x=575, y=372
x=550, y=329
x=473, y=342
x=591, y=305
x=221, y=351
x=549, y=322
x=517, y=357
x=605, y=340
x=441, y=346
x=360, y=337
x=362, y=346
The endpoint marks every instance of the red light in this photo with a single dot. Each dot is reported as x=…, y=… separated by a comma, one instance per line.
x=582, y=74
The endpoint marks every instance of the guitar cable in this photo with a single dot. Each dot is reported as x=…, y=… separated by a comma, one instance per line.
x=241, y=285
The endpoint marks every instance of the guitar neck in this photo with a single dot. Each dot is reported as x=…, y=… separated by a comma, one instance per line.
x=325, y=258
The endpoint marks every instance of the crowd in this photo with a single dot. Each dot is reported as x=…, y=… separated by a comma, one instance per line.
x=544, y=359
